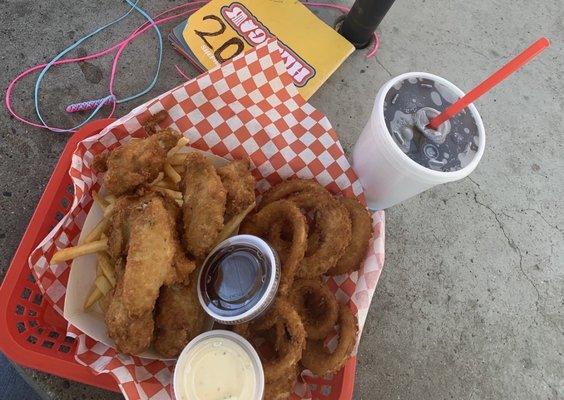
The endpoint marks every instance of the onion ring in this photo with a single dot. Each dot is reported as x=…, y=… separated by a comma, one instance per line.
x=361, y=234
x=282, y=314
x=318, y=360
x=289, y=187
x=281, y=389
x=328, y=236
x=284, y=190
x=287, y=212
x=316, y=305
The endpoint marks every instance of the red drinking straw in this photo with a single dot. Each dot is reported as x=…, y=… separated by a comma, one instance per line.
x=498, y=76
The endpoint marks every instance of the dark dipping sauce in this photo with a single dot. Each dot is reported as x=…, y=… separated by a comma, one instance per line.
x=235, y=279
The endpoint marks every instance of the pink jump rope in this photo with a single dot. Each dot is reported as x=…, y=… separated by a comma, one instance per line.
x=118, y=48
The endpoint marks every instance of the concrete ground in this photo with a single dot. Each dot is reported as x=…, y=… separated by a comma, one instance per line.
x=470, y=303
x=13, y=382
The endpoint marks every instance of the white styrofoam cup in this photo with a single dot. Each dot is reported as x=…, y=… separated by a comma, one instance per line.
x=387, y=174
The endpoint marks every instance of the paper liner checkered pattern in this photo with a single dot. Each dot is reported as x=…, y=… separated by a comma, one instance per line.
x=246, y=107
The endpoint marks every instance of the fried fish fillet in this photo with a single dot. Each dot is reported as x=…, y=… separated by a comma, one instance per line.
x=240, y=185
x=135, y=163
x=179, y=318
x=204, y=204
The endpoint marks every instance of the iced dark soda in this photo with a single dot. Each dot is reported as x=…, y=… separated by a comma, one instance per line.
x=408, y=107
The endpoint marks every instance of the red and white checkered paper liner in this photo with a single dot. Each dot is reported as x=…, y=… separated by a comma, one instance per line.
x=246, y=107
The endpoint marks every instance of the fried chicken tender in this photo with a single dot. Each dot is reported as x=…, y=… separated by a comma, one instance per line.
x=183, y=266
x=150, y=257
x=135, y=163
x=132, y=335
x=240, y=185
x=145, y=245
x=204, y=204
x=179, y=318
x=120, y=230
x=151, y=124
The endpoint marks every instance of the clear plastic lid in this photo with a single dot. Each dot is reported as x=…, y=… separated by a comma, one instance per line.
x=239, y=279
x=218, y=364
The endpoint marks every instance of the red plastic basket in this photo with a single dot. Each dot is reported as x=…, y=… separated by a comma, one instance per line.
x=34, y=333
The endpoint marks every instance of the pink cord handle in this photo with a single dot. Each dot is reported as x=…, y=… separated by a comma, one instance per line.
x=139, y=31
x=90, y=105
x=160, y=18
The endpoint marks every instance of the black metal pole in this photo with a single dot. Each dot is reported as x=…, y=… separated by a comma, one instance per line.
x=363, y=19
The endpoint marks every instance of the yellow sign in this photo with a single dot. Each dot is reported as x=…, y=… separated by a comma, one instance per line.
x=311, y=50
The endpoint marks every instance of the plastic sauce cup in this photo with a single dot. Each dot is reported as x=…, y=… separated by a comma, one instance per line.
x=239, y=279
x=218, y=365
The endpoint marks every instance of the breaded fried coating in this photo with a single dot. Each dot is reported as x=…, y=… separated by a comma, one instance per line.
x=204, y=204
x=135, y=163
x=240, y=185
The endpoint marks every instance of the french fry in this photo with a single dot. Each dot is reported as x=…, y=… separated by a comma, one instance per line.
x=171, y=173
x=183, y=141
x=176, y=195
x=165, y=184
x=177, y=159
x=233, y=224
x=93, y=297
x=104, y=304
x=96, y=233
x=110, y=198
x=159, y=178
x=109, y=209
x=107, y=268
x=100, y=200
x=103, y=284
x=179, y=168
x=72, y=252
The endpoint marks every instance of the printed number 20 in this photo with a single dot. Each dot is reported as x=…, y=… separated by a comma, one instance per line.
x=220, y=51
